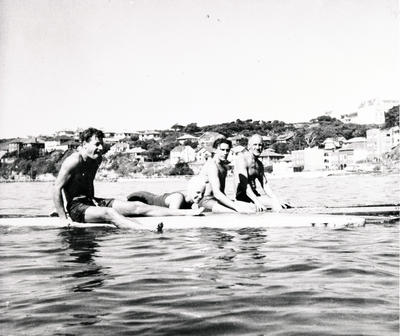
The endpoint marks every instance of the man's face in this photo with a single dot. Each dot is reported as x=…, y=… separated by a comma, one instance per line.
x=222, y=151
x=256, y=146
x=94, y=148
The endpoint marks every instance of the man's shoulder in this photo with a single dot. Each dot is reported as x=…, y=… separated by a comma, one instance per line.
x=73, y=160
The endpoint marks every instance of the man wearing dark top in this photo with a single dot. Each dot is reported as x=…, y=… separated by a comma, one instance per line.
x=248, y=170
x=75, y=180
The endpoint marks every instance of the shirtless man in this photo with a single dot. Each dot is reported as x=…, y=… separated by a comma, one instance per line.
x=188, y=199
x=214, y=172
x=76, y=178
x=248, y=170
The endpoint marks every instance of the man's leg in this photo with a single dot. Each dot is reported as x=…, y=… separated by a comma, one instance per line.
x=95, y=214
x=126, y=208
x=246, y=207
x=212, y=204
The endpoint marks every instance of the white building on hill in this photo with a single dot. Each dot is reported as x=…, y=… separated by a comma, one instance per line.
x=383, y=141
x=182, y=153
x=370, y=112
x=309, y=158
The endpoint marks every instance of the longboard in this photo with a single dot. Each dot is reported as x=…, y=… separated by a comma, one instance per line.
x=221, y=221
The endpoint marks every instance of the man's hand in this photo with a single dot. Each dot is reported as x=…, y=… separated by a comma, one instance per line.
x=286, y=205
x=260, y=207
x=276, y=205
x=245, y=208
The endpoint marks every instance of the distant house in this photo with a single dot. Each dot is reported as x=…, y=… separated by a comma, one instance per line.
x=60, y=143
x=18, y=144
x=186, y=137
x=346, y=157
x=382, y=141
x=67, y=133
x=300, y=124
x=149, y=135
x=114, y=137
x=2, y=153
x=359, y=149
x=309, y=159
x=120, y=147
x=370, y=112
x=333, y=143
x=51, y=145
x=268, y=157
x=137, y=153
x=202, y=154
x=283, y=138
x=15, y=146
x=331, y=159
x=207, y=139
x=182, y=153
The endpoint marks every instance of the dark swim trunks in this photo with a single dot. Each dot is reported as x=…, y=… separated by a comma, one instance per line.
x=242, y=196
x=78, y=206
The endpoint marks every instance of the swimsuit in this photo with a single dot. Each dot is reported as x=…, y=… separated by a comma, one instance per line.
x=78, y=206
x=153, y=199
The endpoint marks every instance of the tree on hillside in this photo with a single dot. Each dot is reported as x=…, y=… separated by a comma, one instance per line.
x=392, y=117
x=181, y=168
x=29, y=153
x=191, y=128
x=177, y=127
x=280, y=147
x=191, y=143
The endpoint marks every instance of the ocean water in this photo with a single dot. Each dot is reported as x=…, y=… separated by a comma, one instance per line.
x=306, y=281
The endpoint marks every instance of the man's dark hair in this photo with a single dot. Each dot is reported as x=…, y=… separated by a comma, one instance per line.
x=221, y=141
x=87, y=134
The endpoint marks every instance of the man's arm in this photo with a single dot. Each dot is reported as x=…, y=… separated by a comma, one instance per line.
x=276, y=204
x=62, y=179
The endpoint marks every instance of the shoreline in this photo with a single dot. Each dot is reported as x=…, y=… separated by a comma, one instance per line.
x=269, y=176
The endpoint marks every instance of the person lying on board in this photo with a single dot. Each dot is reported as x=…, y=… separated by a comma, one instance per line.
x=248, y=169
x=175, y=200
x=75, y=180
x=214, y=172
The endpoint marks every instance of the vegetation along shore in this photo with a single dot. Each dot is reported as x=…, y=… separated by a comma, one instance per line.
x=322, y=144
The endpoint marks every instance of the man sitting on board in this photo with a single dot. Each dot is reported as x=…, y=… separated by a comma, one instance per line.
x=188, y=199
x=214, y=172
x=248, y=169
x=75, y=180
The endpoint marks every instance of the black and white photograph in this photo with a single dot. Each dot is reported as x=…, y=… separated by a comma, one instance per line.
x=200, y=167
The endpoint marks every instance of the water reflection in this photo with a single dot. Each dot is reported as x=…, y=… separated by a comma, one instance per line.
x=252, y=240
x=83, y=245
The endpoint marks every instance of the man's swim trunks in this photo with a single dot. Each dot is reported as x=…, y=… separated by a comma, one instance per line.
x=78, y=206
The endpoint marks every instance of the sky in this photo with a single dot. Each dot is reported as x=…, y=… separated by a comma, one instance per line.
x=126, y=65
